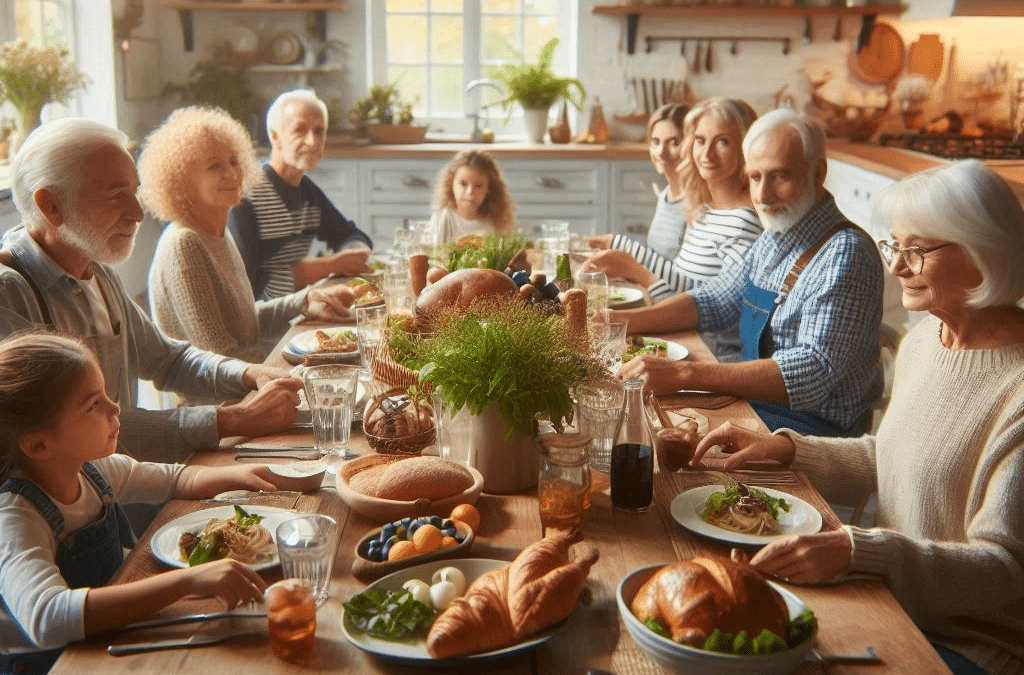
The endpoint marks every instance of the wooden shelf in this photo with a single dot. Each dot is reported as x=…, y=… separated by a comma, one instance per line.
x=634, y=12
x=185, y=9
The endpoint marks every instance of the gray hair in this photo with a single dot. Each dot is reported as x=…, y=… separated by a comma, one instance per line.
x=968, y=204
x=812, y=138
x=276, y=110
x=53, y=156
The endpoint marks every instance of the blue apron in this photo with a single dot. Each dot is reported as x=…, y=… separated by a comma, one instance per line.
x=759, y=306
x=87, y=557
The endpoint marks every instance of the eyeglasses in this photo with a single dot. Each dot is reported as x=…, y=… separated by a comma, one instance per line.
x=912, y=255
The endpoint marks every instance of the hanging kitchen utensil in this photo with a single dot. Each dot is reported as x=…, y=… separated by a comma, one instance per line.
x=881, y=58
x=654, y=95
x=808, y=35
x=647, y=102
x=837, y=32
x=925, y=57
x=697, y=59
x=707, y=59
x=735, y=49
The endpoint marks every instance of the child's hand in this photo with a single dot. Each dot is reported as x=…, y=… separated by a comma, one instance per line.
x=234, y=582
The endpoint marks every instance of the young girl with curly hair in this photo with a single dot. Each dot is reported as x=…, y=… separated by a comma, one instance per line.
x=471, y=198
x=61, y=488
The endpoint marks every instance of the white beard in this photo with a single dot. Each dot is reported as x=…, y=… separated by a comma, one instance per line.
x=77, y=233
x=785, y=216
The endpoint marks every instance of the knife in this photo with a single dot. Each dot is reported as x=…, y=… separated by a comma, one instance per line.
x=253, y=447
x=304, y=455
x=194, y=618
x=176, y=643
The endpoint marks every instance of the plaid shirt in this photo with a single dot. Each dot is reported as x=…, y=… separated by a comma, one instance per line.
x=826, y=329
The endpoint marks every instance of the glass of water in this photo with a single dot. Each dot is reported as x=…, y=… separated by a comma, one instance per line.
x=306, y=546
x=599, y=405
x=331, y=394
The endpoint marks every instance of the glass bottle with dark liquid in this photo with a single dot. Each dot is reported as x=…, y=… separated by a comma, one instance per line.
x=632, y=465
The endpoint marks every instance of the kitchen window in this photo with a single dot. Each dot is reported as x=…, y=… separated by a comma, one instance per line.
x=46, y=23
x=434, y=48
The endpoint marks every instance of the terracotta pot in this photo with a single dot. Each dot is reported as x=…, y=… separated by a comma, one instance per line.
x=507, y=466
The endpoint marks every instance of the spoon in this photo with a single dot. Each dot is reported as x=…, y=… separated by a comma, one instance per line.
x=869, y=656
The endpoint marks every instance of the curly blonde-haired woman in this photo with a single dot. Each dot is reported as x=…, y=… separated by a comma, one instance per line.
x=471, y=198
x=194, y=168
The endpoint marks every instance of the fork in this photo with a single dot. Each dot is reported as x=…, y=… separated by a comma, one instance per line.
x=178, y=643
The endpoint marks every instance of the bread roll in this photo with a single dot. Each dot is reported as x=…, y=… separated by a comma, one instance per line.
x=461, y=287
x=425, y=477
x=692, y=598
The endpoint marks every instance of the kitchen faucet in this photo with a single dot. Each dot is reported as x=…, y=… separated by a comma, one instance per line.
x=477, y=135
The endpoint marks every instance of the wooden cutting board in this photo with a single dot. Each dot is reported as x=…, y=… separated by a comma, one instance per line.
x=881, y=59
x=925, y=57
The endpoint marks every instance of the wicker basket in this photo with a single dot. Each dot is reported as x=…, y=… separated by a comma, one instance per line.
x=857, y=123
x=396, y=445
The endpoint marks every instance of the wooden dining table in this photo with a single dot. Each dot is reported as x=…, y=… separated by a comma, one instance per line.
x=852, y=615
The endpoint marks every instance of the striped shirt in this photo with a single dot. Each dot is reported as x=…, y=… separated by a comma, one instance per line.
x=826, y=330
x=275, y=226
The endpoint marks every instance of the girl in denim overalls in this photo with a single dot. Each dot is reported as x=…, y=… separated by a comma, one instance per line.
x=62, y=530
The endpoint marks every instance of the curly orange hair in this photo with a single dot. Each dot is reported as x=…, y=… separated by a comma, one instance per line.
x=171, y=152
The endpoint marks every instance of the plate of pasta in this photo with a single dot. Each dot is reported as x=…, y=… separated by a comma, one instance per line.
x=710, y=510
x=245, y=533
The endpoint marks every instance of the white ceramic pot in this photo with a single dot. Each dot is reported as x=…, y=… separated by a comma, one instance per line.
x=536, y=122
x=507, y=466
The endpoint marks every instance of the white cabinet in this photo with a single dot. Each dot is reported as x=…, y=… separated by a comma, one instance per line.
x=595, y=197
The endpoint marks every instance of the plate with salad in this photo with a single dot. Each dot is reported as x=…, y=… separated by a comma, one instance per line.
x=736, y=513
x=624, y=297
x=637, y=345
x=400, y=632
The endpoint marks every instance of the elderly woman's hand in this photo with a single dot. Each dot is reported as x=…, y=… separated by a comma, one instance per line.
x=808, y=558
x=620, y=265
x=743, y=445
x=329, y=303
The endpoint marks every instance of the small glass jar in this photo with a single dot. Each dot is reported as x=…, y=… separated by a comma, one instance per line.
x=563, y=488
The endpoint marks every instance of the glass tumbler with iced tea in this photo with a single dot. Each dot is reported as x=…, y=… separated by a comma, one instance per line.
x=563, y=487
x=291, y=620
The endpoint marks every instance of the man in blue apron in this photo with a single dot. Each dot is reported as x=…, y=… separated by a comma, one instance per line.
x=287, y=222
x=808, y=298
x=74, y=184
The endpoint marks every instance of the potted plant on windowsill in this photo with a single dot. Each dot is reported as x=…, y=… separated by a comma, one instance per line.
x=536, y=88
x=385, y=117
x=508, y=364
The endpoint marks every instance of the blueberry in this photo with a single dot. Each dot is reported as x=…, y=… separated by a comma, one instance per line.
x=387, y=546
x=450, y=531
x=459, y=538
x=521, y=278
x=436, y=521
x=413, y=526
x=405, y=521
x=550, y=292
x=447, y=524
x=387, y=531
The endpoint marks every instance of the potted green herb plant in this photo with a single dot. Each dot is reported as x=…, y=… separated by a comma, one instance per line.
x=508, y=364
x=385, y=117
x=536, y=88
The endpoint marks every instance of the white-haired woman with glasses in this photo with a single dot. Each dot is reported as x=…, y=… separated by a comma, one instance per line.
x=948, y=458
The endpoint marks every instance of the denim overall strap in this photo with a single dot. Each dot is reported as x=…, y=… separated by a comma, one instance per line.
x=758, y=306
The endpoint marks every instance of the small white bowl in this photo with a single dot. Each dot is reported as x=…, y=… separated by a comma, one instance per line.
x=692, y=661
x=299, y=476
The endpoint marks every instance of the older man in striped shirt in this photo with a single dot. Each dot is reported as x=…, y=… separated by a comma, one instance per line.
x=276, y=226
x=808, y=298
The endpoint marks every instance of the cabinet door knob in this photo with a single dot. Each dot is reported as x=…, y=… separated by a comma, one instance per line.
x=415, y=182
x=549, y=183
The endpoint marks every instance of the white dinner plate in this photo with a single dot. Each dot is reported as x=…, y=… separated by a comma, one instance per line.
x=674, y=350
x=165, y=542
x=415, y=651
x=620, y=297
x=802, y=518
x=305, y=343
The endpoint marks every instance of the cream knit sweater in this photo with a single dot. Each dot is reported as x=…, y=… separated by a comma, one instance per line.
x=948, y=462
x=199, y=292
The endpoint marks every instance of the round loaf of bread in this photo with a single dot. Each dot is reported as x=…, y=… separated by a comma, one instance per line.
x=425, y=477
x=692, y=598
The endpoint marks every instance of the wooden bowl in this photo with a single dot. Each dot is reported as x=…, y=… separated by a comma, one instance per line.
x=367, y=570
x=387, y=510
x=299, y=476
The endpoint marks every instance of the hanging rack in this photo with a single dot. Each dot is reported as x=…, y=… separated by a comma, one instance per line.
x=734, y=39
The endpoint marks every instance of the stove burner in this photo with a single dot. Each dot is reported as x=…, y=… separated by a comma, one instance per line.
x=955, y=146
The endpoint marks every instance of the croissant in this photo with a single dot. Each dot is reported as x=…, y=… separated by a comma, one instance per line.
x=692, y=598
x=502, y=607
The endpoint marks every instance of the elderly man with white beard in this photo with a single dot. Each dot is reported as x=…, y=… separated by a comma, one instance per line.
x=808, y=298
x=75, y=184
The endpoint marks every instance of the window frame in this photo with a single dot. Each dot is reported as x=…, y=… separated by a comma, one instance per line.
x=376, y=40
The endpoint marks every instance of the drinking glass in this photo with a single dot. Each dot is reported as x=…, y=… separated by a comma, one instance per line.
x=614, y=347
x=564, y=481
x=595, y=285
x=599, y=406
x=452, y=430
x=306, y=546
x=398, y=287
x=331, y=393
x=291, y=620
x=554, y=240
x=370, y=325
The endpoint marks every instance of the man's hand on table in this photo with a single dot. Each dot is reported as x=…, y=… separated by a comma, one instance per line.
x=659, y=375
x=270, y=409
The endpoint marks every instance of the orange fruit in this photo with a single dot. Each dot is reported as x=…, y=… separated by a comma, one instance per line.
x=402, y=549
x=427, y=538
x=449, y=542
x=468, y=514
